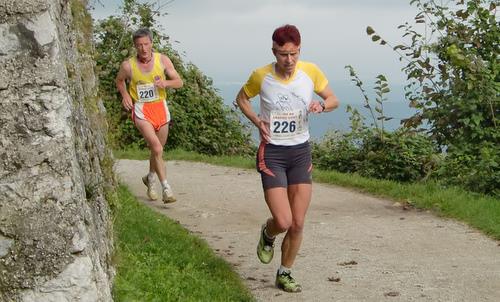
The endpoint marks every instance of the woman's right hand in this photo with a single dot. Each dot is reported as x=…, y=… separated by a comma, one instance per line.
x=264, y=131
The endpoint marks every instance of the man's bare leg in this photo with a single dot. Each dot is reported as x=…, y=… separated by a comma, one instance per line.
x=156, y=140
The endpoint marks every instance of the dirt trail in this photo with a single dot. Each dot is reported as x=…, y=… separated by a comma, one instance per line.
x=355, y=248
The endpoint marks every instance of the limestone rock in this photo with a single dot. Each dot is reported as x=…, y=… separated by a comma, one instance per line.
x=55, y=227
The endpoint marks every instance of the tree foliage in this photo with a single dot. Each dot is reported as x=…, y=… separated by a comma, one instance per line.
x=201, y=121
x=453, y=81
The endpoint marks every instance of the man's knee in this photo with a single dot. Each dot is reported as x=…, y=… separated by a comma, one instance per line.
x=157, y=149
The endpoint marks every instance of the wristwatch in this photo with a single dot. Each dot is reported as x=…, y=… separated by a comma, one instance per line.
x=322, y=106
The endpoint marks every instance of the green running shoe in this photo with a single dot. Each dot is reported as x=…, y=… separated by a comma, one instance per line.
x=265, y=248
x=286, y=282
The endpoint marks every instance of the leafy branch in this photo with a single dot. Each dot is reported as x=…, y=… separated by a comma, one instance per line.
x=376, y=112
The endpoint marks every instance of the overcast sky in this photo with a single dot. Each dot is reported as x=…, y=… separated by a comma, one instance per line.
x=227, y=39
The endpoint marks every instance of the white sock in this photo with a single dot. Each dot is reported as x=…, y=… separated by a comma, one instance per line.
x=283, y=269
x=151, y=176
x=164, y=184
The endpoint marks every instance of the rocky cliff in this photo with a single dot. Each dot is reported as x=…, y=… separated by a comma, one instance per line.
x=55, y=170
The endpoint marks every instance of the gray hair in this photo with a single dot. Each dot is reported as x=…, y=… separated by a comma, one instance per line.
x=142, y=32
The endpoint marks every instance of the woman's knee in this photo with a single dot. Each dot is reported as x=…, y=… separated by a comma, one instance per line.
x=297, y=226
x=282, y=224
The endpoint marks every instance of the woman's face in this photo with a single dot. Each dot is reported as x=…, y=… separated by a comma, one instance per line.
x=287, y=56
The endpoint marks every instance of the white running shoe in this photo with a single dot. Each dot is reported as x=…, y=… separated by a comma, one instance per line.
x=151, y=188
x=168, y=195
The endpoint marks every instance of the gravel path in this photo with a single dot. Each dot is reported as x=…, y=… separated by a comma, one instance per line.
x=355, y=248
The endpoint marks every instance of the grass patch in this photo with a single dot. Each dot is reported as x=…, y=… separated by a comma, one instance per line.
x=159, y=260
x=479, y=211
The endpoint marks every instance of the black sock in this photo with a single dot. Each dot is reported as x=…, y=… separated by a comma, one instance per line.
x=268, y=240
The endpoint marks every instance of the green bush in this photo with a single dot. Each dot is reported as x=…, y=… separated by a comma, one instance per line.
x=336, y=151
x=401, y=155
x=478, y=168
x=371, y=151
x=201, y=121
x=453, y=75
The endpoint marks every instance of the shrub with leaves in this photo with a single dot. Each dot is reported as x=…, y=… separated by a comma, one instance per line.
x=474, y=170
x=402, y=155
x=371, y=151
x=337, y=151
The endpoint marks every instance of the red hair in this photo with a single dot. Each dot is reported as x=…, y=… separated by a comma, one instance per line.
x=286, y=33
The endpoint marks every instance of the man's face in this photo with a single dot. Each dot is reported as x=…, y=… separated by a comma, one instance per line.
x=143, y=47
x=286, y=56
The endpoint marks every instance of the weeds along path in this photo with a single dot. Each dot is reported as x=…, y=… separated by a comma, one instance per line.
x=355, y=248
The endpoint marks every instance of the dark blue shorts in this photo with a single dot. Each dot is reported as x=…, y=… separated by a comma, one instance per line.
x=281, y=166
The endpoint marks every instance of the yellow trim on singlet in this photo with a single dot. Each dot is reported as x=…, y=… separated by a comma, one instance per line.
x=253, y=85
x=316, y=75
x=139, y=77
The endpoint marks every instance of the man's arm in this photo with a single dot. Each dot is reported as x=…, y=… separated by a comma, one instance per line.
x=174, y=80
x=121, y=85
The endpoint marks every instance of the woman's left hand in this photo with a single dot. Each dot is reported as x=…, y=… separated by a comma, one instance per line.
x=315, y=107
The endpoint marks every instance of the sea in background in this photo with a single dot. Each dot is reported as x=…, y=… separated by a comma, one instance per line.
x=348, y=94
